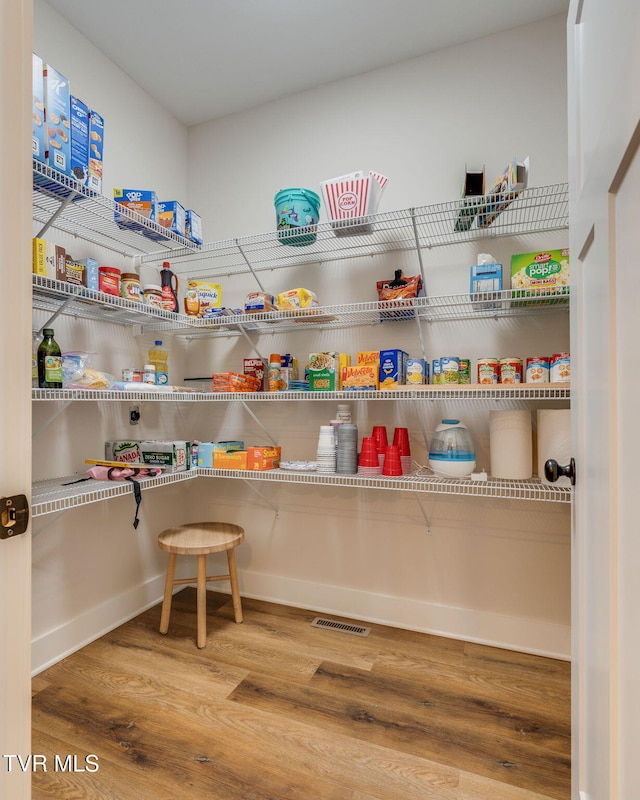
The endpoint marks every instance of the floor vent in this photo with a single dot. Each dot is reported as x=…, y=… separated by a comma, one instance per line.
x=334, y=625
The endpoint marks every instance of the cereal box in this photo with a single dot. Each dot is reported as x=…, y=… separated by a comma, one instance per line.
x=393, y=368
x=96, y=148
x=79, y=140
x=504, y=190
x=58, y=126
x=262, y=458
x=171, y=215
x=541, y=273
x=137, y=201
x=37, y=112
x=193, y=226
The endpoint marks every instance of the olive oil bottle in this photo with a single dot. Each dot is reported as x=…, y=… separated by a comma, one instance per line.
x=49, y=362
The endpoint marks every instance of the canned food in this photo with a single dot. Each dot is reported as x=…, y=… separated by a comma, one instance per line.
x=450, y=366
x=109, y=280
x=464, y=370
x=488, y=370
x=127, y=375
x=436, y=371
x=510, y=370
x=560, y=368
x=537, y=369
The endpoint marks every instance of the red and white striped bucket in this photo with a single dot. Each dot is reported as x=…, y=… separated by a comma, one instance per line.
x=349, y=198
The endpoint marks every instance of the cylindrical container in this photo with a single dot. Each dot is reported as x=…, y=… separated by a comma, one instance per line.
x=560, y=368
x=149, y=374
x=192, y=303
x=343, y=414
x=109, y=280
x=464, y=370
x=554, y=440
x=417, y=371
x=511, y=444
x=488, y=370
x=436, y=371
x=537, y=369
x=275, y=372
x=392, y=465
x=152, y=295
x=297, y=209
x=347, y=449
x=450, y=366
x=35, y=343
x=159, y=358
x=127, y=374
x=510, y=370
x=130, y=288
x=137, y=376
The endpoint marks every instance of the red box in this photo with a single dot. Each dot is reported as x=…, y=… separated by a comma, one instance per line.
x=257, y=367
x=263, y=458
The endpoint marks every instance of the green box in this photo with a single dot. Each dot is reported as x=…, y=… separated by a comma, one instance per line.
x=543, y=273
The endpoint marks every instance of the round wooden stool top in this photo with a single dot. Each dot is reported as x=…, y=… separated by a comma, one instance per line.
x=200, y=538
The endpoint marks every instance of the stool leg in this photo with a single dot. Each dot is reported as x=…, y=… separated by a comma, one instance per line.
x=168, y=587
x=202, y=601
x=235, y=588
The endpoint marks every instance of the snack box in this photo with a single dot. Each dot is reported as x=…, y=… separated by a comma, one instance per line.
x=171, y=215
x=58, y=126
x=96, y=148
x=79, y=140
x=193, y=226
x=360, y=377
x=138, y=201
x=39, y=265
x=393, y=368
x=539, y=273
x=232, y=459
x=485, y=279
x=125, y=450
x=263, y=458
x=38, y=144
x=74, y=272
x=174, y=456
x=257, y=367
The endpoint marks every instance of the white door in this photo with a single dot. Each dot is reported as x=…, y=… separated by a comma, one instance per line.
x=604, y=172
x=15, y=393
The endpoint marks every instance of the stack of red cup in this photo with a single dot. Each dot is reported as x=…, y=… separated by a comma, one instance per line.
x=368, y=462
x=401, y=440
x=392, y=465
x=379, y=433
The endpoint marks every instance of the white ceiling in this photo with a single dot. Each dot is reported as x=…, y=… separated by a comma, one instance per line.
x=202, y=59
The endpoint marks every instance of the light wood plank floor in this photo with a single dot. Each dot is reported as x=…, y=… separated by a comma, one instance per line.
x=274, y=709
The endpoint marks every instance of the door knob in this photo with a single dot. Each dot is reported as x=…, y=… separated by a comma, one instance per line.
x=553, y=471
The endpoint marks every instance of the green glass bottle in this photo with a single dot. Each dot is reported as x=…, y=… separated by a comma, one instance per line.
x=49, y=362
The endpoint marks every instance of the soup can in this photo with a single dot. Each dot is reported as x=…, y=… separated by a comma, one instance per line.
x=436, y=371
x=488, y=370
x=464, y=370
x=560, y=368
x=537, y=369
x=510, y=370
x=450, y=367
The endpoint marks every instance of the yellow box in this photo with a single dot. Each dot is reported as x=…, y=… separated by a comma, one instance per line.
x=262, y=458
x=39, y=257
x=295, y=299
x=232, y=459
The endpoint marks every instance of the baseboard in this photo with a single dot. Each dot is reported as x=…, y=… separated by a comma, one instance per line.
x=79, y=631
x=482, y=627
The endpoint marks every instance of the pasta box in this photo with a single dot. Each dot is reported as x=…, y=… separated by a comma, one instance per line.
x=263, y=458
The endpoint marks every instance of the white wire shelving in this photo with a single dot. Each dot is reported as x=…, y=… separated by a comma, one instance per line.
x=56, y=495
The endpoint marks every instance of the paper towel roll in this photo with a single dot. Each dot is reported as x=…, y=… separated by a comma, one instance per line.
x=554, y=440
x=511, y=443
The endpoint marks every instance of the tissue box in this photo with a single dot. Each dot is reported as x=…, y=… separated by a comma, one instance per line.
x=485, y=279
x=349, y=199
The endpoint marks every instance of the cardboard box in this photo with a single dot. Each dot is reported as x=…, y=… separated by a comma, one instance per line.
x=38, y=143
x=125, y=450
x=472, y=191
x=58, y=125
x=193, y=226
x=233, y=459
x=263, y=458
x=171, y=215
x=207, y=451
x=39, y=257
x=90, y=273
x=504, y=190
x=208, y=295
x=79, y=140
x=540, y=273
x=393, y=368
x=138, y=201
x=358, y=378
x=96, y=150
x=172, y=455
x=324, y=372
x=484, y=281
x=258, y=368
x=60, y=263
x=74, y=272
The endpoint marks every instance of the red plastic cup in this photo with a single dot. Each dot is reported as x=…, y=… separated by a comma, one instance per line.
x=401, y=440
x=392, y=464
x=380, y=435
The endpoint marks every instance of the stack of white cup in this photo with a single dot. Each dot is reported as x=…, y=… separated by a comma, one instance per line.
x=326, y=453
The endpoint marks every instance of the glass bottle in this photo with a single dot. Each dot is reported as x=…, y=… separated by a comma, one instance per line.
x=35, y=343
x=49, y=362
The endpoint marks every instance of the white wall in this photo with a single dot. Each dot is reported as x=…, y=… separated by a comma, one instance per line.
x=495, y=571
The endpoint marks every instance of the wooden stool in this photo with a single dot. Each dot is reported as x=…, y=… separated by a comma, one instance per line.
x=199, y=539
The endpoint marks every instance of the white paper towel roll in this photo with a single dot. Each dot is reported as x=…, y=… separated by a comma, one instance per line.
x=511, y=443
x=554, y=440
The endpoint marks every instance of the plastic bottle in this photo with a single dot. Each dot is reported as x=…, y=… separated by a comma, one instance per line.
x=169, y=288
x=49, y=362
x=275, y=372
x=159, y=358
x=149, y=374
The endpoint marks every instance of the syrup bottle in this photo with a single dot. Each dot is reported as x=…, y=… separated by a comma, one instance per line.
x=169, y=286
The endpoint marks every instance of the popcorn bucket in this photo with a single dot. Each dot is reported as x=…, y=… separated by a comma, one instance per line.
x=350, y=199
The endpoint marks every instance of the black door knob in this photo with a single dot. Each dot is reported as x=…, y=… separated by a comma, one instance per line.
x=553, y=471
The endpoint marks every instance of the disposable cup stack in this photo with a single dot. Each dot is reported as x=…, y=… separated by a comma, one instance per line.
x=379, y=433
x=401, y=440
x=368, y=462
x=326, y=453
x=392, y=465
x=347, y=449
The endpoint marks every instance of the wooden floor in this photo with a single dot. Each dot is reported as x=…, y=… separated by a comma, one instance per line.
x=274, y=709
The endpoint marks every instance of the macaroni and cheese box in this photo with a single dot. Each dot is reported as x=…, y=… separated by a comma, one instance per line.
x=360, y=377
x=57, y=116
x=96, y=148
x=545, y=272
x=38, y=146
x=393, y=368
x=171, y=215
x=262, y=458
x=230, y=459
x=79, y=140
x=138, y=201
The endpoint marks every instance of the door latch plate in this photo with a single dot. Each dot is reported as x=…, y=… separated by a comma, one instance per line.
x=14, y=516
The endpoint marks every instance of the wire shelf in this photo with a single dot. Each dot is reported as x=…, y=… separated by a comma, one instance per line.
x=535, y=210
x=527, y=391
x=60, y=202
